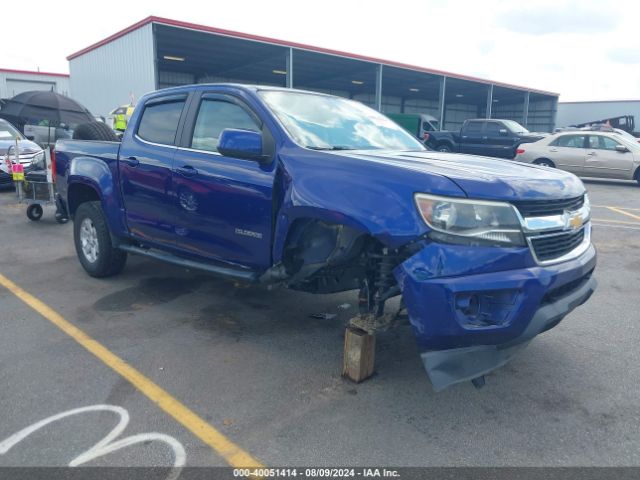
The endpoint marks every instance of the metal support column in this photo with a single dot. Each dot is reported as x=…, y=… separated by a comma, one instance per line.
x=379, y=88
x=441, y=97
x=525, y=110
x=489, y=101
x=290, y=68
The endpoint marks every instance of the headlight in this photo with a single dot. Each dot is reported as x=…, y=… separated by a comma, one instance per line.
x=470, y=221
x=37, y=163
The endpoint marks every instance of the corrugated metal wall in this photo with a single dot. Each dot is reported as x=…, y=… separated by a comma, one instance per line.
x=583, y=112
x=106, y=77
x=13, y=83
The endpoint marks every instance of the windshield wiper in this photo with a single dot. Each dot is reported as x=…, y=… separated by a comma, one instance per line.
x=334, y=147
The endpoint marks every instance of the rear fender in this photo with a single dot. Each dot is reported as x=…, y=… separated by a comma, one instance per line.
x=93, y=173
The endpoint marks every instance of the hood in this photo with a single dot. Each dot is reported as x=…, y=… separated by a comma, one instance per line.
x=484, y=177
x=27, y=147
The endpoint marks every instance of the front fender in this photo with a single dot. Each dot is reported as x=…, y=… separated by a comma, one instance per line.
x=371, y=197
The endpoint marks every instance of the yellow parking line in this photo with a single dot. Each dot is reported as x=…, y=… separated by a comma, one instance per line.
x=609, y=206
x=232, y=453
x=632, y=215
x=615, y=221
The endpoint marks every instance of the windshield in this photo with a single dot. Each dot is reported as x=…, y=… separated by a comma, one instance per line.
x=324, y=122
x=8, y=132
x=515, y=127
x=626, y=135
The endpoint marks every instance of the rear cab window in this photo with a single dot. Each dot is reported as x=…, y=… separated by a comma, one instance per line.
x=474, y=127
x=160, y=118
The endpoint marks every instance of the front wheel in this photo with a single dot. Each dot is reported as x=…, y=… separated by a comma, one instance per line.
x=34, y=212
x=444, y=148
x=95, y=251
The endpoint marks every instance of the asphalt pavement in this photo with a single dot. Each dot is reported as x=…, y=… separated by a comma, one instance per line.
x=253, y=365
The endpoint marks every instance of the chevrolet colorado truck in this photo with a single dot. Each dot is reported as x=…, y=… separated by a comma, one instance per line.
x=323, y=194
x=492, y=138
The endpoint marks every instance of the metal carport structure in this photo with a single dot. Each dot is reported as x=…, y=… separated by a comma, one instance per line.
x=159, y=52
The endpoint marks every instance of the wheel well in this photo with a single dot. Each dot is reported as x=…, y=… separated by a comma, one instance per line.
x=323, y=257
x=636, y=175
x=78, y=194
x=538, y=160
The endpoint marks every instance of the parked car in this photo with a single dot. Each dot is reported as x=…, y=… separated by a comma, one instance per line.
x=43, y=135
x=492, y=138
x=29, y=152
x=586, y=153
x=417, y=124
x=323, y=194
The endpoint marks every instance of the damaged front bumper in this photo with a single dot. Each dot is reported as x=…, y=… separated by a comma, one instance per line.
x=473, y=309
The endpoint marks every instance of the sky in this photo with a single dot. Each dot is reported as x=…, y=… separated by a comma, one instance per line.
x=582, y=49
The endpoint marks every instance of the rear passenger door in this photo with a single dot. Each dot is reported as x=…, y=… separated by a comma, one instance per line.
x=471, y=137
x=603, y=160
x=498, y=140
x=144, y=165
x=568, y=153
x=223, y=204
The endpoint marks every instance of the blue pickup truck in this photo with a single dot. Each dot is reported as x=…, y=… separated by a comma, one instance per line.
x=323, y=194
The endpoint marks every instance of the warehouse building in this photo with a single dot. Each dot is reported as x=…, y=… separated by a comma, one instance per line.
x=13, y=82
x=159, y=52
x=576, y=113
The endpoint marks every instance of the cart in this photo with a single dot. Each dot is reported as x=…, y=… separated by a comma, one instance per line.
x=36, y=188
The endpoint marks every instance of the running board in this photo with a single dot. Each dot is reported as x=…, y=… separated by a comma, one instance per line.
x=248, y=276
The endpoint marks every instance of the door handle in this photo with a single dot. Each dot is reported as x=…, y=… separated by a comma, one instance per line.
x=591, y=153
x=186, y=171
x=132, y=161
x=553, y=149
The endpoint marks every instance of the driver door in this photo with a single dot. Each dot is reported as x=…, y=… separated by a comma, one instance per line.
x=223, y=205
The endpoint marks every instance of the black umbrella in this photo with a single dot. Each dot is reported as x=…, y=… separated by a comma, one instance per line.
x=42, y=105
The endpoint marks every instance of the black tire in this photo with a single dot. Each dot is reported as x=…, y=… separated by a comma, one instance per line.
x=638, y=176
x=34, y=212
x=108, y=261
x=544, y=162
x=444, y=148
x=95, y=131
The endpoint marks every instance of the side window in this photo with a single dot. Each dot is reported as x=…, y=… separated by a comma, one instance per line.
x=159, y=122
x=493, y=129
x=213, y=117
x=570, y=141
x=474, y=127
x=594, y=142
x=607, y=143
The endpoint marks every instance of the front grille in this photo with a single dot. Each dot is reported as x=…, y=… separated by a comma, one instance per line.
x=541, y=208
x=548, y=247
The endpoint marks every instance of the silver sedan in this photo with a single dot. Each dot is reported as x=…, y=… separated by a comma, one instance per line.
x=585, y=153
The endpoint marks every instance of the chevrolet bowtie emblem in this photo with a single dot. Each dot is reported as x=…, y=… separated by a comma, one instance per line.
x=575, y=222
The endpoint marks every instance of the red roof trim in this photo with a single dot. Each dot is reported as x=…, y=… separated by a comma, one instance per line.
x=29, y=72
x=258, y=38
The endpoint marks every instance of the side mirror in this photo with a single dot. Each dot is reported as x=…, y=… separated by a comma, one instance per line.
x=31, y=137
x=244, y=144
x=504, y=132
x=621, y=149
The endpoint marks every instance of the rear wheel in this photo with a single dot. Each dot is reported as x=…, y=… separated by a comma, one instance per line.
x=34, y=212
x=95, y=131
x=638, y=175
x=95, y=251
x=544, y=162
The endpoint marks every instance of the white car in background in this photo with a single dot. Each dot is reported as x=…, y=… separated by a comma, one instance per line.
x=586, y=154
